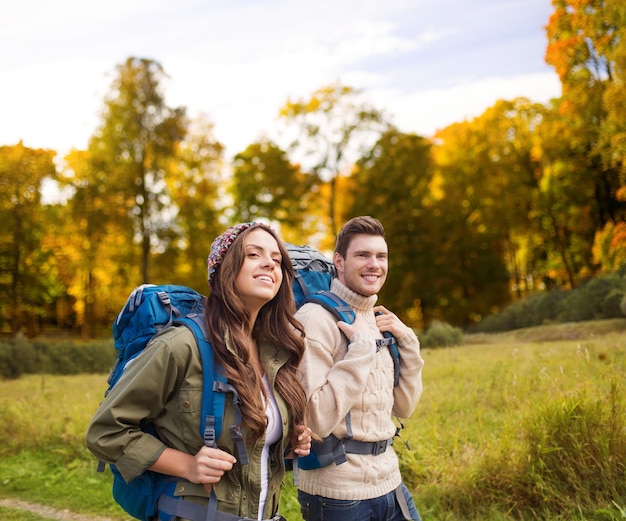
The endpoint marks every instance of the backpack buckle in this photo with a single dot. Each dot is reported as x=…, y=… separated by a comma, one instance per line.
x=379, y=447
x=209, y=432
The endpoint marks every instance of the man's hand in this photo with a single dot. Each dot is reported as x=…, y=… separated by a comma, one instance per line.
x=359, y=325
x=387, y=321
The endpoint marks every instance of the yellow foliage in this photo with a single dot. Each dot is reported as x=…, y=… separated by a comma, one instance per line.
x=609, y=247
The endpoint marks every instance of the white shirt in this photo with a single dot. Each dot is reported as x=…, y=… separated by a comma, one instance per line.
x=273, y=434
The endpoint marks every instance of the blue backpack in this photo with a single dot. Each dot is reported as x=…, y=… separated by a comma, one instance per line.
x=313, y=276
x=148, y=310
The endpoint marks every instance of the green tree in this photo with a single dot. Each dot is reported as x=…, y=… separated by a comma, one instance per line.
x=333, y=129
x=133, y=147
x=392, y=183
x=194, y=183
x=565, y=207
x=265, y=184
x=27, y=278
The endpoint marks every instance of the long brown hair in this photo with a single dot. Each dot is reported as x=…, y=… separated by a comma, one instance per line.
x=225, y=311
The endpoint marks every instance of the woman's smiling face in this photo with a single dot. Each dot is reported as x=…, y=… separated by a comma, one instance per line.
x=260, y=276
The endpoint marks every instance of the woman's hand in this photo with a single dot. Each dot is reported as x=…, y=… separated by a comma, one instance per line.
x=303, y=447
x=209, y=465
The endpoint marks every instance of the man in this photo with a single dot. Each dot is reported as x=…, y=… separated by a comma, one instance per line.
x=348, y=375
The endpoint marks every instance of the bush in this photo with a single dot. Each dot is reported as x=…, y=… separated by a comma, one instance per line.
x=17, y=357
x=622, y=305
x=492, y=323
x=517, y=315
x=587, y=302
x=611, y=305
x=546, y=307
x=603, y=297
x=441, y=334
x=20, y=356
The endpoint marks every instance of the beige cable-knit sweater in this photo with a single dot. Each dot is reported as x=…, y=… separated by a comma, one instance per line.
x=360, y=380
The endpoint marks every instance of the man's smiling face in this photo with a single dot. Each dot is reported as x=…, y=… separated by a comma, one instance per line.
x=364, y=270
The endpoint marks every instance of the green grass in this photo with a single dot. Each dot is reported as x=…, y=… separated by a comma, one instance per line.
x=510, y=426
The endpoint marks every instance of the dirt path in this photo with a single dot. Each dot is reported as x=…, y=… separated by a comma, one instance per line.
x=52, y=513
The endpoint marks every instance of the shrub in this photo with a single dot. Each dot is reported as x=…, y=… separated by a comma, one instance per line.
x=20, y=356
x=611, y=305
x=600, y=298
x=17, y=357
x=545, y=307
x=622, y=305
x=441, y=334
x=492, y=324
x=587, y=302
x=517, y=315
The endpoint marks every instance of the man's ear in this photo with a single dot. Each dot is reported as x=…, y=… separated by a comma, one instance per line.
x=338, y=261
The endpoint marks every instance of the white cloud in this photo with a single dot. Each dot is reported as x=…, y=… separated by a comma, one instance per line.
x=51, y=105
x=239, y=62
x=424, y=112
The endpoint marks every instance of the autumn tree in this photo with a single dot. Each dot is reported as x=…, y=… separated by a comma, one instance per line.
x=133, y=147
x=97, y=254
x=587, y=48
x=332, y=130
x=150, y=177
x=565, y=213
x=499, y=154
x=27, y=278
x=473, y=187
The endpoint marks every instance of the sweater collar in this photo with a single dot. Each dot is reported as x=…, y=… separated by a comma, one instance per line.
x=358, y=302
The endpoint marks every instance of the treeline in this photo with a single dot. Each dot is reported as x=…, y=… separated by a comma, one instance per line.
x=520, y=200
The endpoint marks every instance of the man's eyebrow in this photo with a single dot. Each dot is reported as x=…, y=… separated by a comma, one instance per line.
x=369, y=252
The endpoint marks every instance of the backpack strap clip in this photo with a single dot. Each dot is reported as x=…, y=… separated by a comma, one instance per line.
x=209, y=431
x=235, y=429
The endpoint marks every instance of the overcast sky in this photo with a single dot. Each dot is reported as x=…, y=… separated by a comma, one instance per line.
x=428, y=63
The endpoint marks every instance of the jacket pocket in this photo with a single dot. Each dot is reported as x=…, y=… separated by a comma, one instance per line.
x=189, y=409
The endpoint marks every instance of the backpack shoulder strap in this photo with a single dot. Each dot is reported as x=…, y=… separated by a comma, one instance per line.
x=390, y=341
x=212, y=403
x=215, y=387
x=333, y=303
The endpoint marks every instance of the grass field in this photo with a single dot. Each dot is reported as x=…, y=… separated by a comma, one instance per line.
x=525, y=425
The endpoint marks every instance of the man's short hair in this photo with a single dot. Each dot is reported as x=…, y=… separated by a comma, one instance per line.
x=363, y=225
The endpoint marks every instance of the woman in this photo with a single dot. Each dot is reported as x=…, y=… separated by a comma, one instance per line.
x=258, y=343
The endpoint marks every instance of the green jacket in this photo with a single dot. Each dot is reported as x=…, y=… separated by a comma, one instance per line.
x=163, y=386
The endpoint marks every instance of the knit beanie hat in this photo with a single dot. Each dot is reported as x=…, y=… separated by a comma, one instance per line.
x=222, y=242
